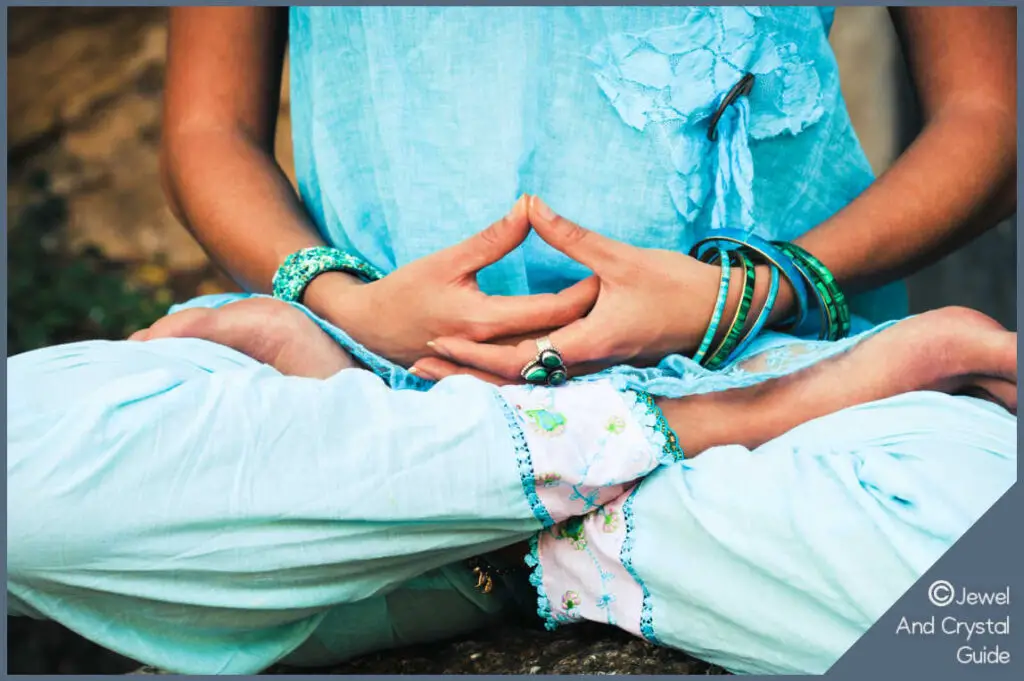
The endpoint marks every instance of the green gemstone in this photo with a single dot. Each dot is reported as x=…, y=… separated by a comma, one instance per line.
x=550, y=359
x=536, y=374
x=557, y=377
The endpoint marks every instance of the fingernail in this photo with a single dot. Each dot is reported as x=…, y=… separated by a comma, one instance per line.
x=438, y=349
x=518, y=206
x=422, y=374
x=542, y=208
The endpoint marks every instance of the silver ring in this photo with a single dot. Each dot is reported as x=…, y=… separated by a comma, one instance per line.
x=548, y=367
x=544, y=343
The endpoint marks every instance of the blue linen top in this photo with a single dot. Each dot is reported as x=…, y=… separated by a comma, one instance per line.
x=415, y=127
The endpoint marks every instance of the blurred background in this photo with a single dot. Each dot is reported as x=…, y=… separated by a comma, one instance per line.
x=94, y=252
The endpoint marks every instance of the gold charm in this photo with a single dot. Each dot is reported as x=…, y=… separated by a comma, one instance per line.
x=483, y=580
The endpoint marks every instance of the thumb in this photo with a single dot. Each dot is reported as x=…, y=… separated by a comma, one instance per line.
x=492, y=244
x=582, y=245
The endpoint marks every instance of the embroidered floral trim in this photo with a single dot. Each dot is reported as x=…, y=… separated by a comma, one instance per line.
x=537, y=580
x=656, y=429
x=585, y=445
x=572, y=530
x=626, y=558
x=525, y=464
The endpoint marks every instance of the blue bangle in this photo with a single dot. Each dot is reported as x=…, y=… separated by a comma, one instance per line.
x=772, y=255
x=762, y=319
x=716, y=316
x=302, y=267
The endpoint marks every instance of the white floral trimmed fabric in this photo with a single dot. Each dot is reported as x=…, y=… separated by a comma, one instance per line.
x=582, y=570
x=587, y=442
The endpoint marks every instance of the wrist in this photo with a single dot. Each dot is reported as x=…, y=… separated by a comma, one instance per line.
x=326, y=293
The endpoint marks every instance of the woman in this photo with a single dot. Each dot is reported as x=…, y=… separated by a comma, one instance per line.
x=276, y=533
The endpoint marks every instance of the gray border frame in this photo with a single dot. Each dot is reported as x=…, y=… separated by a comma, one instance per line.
x=987, y=557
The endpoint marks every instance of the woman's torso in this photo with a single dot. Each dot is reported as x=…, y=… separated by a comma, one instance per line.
x=415, y=127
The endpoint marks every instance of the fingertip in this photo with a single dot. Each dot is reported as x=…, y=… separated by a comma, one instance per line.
x=438, y=346
x=539, y=209
x=521, y=206
x=420, y=372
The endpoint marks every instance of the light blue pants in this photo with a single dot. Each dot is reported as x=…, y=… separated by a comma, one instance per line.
x=183, y=505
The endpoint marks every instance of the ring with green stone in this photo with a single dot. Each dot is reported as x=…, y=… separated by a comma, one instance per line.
x=548, y=367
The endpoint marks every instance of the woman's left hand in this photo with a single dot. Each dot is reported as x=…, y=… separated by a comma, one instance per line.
x=652, y=303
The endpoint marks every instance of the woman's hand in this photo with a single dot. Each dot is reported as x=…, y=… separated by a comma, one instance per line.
x=651, y=303
x=438, y=296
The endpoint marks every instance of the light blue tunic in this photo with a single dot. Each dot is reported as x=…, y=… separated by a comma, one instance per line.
x=181, y=504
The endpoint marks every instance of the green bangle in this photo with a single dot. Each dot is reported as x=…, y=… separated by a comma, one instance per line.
x=766, y=309
x=302, y=267
x=835, y=310
x=739, y=320
x=827, y=308
x=716, y=316
x=769, y=254
x=828, y=281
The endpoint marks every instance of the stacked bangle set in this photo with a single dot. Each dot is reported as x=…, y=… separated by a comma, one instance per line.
x=808, y=277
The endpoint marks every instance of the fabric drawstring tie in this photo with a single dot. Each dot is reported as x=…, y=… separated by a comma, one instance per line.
x=734, y=173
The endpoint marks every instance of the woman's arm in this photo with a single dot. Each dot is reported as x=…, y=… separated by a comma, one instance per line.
x=220, y=113
x=223, y=82
x=959, y=176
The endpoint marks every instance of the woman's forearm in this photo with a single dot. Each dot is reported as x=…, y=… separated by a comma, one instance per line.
x=958, y=178
x=237, y=202
x=217, y=161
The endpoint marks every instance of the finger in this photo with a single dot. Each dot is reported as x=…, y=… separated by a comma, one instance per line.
x=582, y=245
x=492, y=244
x=507, y=361
x=140, y=335
x=435, y=369
x=500, y=360
x=514, y=315
x=584, y=348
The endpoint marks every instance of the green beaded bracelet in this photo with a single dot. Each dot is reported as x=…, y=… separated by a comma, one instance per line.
x=716, y=316
x=722, y=353
x=302, y=267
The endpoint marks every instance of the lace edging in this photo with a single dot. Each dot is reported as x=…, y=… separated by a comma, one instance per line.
x=537, y=580
x=524, y=461
x=656, y=428
x=626, y=559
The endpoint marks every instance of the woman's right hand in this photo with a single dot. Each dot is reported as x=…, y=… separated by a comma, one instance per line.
x=438, y=296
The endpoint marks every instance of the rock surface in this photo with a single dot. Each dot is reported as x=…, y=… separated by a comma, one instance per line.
x=582, y=649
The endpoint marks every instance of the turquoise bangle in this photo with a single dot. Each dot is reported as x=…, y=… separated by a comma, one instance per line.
x=716, y=316
x=721, y=354
x=302, y=267
x=772, y=255
x=762, y=319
